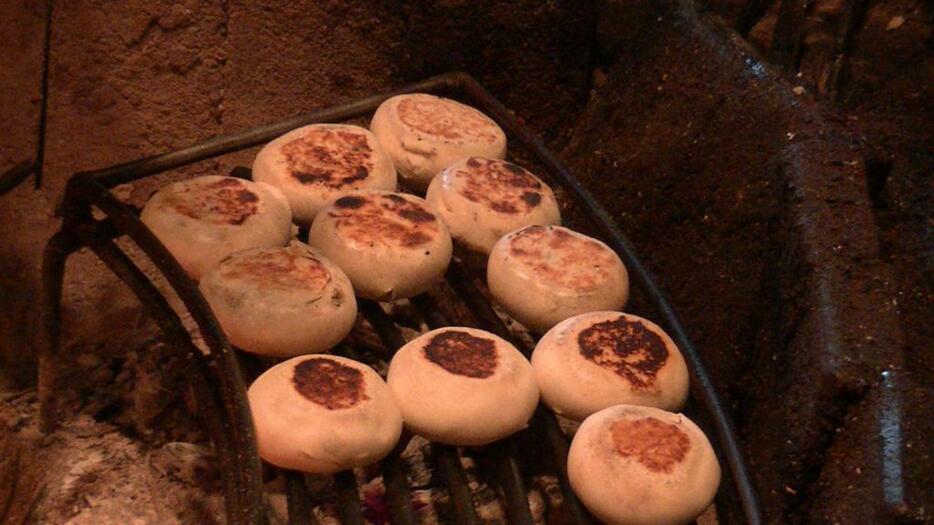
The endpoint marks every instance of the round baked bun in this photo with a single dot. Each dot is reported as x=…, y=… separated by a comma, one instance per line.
x=425, y=134
x=316, y=164
x=323, y=414
x=483, y=199
x=281, y=301
x=462, y=386
x=542, y=275
x=633, y=465
x=205, y=219
x=599, y=359
x=391, y=245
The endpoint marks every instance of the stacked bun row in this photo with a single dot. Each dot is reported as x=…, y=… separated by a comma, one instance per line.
x=632, y=460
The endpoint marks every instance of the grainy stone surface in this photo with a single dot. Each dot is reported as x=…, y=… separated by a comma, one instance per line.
x=25, y=215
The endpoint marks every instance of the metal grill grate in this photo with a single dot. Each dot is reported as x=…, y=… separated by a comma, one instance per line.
x=217, y=378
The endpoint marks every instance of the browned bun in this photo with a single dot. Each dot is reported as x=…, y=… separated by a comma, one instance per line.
x=323, y=414
x=425, y=134
x=542, y=275
x=483, y=199
x=462, y=386
x=599, y=359
x=632, y=465
x=313, y=165
x=205, y=219
x=391, y=245
x=281, y=301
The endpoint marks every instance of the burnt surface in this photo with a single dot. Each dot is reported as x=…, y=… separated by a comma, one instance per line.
x=626, y=347
x=463, y=354
x=350, y=203
x=385, y=219
x=446, y=119
x=330, y=384
x=329, y=157
x=500, y=185
x=657, y=445
x=283, y=268
x=225, y=201
x=562, y=259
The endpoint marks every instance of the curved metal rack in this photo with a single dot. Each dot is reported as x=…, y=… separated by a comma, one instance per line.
x=216, y=375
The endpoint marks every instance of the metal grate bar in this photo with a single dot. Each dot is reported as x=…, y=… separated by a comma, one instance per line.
x=397, y=487
x=296, y=496
x=448, y=463
x=394, y=471
x=544, y=422
x=509, y=476
x=450, y=469
x=348, y=498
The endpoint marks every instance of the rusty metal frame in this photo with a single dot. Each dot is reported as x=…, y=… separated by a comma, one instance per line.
x=216, y=375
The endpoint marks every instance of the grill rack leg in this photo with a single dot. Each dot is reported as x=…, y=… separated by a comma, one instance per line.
x=96, y=238
x=59, y=247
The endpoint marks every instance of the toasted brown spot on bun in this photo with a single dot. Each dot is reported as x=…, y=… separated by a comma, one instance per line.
x=532, y=199
x=330, y=157
x=350, y=202
x=626, y=347
x=561, y=258
x=416, y=215
x=657, y=445
x=463, y=354
x=286, y=269
x=387, y=219
x=330, y=384
x=446, y=119
x=500, y=185
x=224, y=201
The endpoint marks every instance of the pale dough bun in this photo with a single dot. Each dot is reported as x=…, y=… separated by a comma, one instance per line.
x=205, y=219
x=425, y=134
x=462, y=386
x=281, y=301
x=483, y=199
x=323, y=414
x=632, y=465
x=542, y=275
x=313, y=165
x=391, y=245
x=599, y=359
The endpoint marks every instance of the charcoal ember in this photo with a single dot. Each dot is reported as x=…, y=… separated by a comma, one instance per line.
x=375, y=504
x=404, y=314
x=363, y=338
x=549, y=492
x=326, y=514
x=416, y=454
x=277, y=508
x=489, y=507
x=186, y=462
x=428, y=505
x=538, y=506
